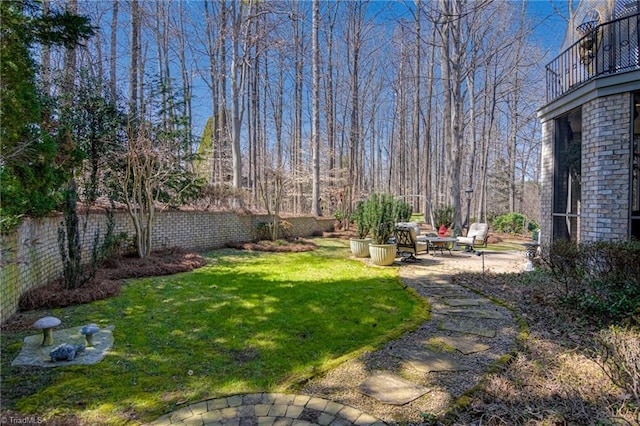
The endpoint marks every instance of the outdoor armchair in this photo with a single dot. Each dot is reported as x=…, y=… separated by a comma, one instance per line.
x=407, y=243
x=476, y=236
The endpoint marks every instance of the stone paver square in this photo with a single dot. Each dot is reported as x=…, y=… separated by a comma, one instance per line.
x=301, y=400
x=440, y=286
x=468, y=327
x=262, y=410
x=474, y=313
x=448, y=294
x=391, y=389
x=462, y=302
x=349, y=413
x=317, y=403
x=235, y=400
x=211, y=416
x=252, y=398
x=427, y=361
x=464, y=344
x=294, y=411
x=278, y=410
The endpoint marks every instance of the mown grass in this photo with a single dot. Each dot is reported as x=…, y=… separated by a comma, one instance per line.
x=247, y=322
x=506, y=245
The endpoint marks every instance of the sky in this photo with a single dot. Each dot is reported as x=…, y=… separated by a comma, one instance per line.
x=548, y=33
x=550, y=27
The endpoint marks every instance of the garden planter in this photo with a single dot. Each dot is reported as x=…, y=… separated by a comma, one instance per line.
x=382, y=254
x=360, y=246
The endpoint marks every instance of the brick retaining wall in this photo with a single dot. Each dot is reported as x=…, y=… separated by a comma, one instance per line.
x=30, y=257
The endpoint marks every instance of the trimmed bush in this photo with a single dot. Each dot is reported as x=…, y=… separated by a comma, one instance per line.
x=381, y=212
x=601, y=279
x=513, y=223
x=620, y=359
x=361, y=220
x=443, y=216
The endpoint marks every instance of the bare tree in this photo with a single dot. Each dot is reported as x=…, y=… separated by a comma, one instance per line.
x=46, y=56
x=415, y=119
x=315, y=123
x=356, y=14
x=451, y=64
x=135, y=58
x=150, y=162
x=113, y=78
x=240, y=13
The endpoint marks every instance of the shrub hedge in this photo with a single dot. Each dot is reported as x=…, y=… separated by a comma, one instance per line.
x=601, y=279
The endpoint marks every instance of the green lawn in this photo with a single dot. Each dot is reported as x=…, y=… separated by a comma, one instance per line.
x=246, y=322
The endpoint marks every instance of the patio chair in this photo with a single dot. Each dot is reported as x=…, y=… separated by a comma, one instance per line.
x=407, y=244
x=476, y=236
x=413, y=225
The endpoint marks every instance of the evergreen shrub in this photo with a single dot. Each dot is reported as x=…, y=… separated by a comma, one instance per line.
x=513, y=223
x=382, y=211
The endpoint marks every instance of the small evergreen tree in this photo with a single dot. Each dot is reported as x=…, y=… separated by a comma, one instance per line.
x=380, y=212
x=361, y=220
x=30, y=175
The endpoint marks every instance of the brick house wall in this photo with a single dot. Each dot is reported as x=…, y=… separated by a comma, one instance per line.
x=605, y=168
x=606, y=160
x=30, y=257
x=546, y=177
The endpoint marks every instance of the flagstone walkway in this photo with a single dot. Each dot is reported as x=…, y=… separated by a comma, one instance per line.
x=417, y=375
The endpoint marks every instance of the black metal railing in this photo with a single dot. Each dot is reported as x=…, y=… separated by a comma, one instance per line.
x=606, y=49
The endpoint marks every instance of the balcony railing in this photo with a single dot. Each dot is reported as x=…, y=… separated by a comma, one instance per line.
x=606, y=49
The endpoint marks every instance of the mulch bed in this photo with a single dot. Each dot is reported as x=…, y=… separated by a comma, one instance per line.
x=293, y=246
x=108, y=279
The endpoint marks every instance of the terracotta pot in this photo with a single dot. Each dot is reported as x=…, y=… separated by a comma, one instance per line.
x=360, y=246
x=382, y=254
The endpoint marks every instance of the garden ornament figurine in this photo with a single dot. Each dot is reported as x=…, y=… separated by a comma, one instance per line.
x=65, y=352
x=47, y=324
x=88, y=331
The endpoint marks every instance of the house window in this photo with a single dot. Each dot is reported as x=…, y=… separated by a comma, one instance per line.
x=635, y=170
x=567, y=154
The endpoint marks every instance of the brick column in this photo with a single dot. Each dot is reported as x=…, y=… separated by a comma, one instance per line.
x=606, y=157
x=546, y=179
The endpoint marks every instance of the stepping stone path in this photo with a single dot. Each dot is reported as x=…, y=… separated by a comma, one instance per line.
x=463, y=344
x=468, y=327
x=391, y=389
x=465, y=335
x=466, y=322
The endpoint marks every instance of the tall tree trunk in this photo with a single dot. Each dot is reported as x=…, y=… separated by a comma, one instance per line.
x=46, y=55
x=134, y=59
x=514, y=113
x=315, y=124
x=212, y=53
x=113, y=78
x=239, y=35
x=356, y=17
x=451, y=63
x=186, y=82
x=416, y=174
x=298, y=46
x=223, y=131
x=428, y=173
x=330, y=106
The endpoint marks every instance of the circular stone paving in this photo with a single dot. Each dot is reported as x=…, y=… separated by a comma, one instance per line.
x=267, y=409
